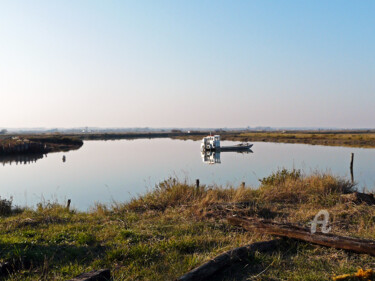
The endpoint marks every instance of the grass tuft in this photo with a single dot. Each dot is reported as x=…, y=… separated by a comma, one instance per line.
x=293, y=187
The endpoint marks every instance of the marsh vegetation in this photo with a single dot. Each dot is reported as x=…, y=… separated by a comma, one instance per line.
x=175, y=227
x=32, y=144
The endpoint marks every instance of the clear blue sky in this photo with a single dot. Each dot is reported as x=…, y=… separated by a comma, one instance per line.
x=187, y=63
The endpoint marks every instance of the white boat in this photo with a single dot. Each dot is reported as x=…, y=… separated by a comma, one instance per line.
x=212, y=143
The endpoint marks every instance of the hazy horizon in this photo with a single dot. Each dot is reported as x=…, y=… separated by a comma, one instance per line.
x=208, y=64
x=155, y=129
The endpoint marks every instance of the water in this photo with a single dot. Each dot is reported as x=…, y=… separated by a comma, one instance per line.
x=107, y=171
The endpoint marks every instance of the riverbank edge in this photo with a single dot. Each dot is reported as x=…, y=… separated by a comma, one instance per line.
x=349, y=138
x=37, y=144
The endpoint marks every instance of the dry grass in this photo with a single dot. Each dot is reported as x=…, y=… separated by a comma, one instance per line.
x=176, y=227
x=172, y=193
x=316, y=138
x=292, y=187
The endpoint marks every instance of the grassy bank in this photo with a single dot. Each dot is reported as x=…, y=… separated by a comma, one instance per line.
x=339, y=138
x=315, y=138
x=176, y=227
x=34, y=144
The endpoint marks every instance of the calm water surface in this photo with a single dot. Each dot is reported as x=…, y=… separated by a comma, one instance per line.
x=107, y=171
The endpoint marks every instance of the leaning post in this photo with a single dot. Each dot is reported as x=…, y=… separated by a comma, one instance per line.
x=351, y=167
x=68, y=204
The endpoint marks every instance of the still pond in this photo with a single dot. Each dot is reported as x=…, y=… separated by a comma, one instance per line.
x=108, y=171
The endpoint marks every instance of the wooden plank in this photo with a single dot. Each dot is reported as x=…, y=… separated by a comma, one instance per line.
x=95, y=275
x=228, y=258
x=287, y=230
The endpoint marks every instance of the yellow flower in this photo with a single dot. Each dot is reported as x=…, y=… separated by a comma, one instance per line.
x=359, y=275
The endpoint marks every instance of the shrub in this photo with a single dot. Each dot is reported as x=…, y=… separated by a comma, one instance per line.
x=168, y=193
x=5, y=207
x=281, y=176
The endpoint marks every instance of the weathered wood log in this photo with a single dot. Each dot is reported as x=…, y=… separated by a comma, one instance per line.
x=358, y=198
x=304, y=234
x=227, y=259
x=95, y=275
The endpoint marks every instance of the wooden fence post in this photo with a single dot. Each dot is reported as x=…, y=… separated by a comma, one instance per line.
x=351, y=167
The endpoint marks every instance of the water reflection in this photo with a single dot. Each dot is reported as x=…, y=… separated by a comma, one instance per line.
x=210, y=157
x=20, y=159
x=213, y=157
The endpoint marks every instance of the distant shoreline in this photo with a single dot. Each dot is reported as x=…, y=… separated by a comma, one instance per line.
x=56, y=142
x=355, y=138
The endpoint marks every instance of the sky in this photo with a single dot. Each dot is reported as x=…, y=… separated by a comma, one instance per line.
x=187, y=63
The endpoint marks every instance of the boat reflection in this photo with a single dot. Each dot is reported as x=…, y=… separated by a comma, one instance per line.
x=20, y=159
x=213, y=157
x=210, y=157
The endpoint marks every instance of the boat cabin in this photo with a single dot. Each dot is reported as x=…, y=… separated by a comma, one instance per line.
x=210, y=142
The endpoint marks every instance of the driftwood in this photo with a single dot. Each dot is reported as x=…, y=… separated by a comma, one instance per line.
x=228, y=258
x=304, y=234
x=358, y=198
x=95, y=275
